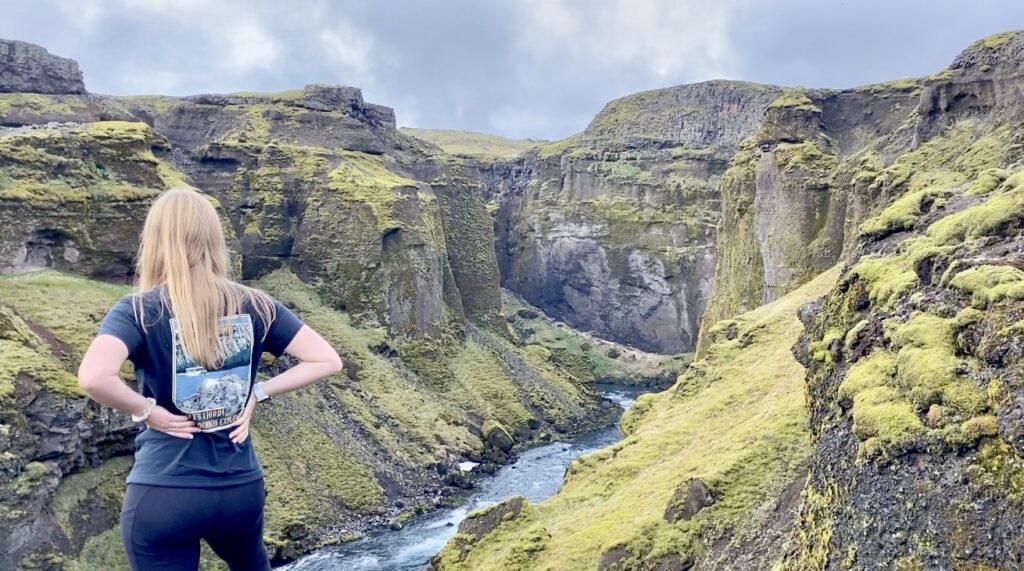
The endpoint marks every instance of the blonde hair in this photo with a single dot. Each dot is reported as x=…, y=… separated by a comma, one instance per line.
x=183, y=249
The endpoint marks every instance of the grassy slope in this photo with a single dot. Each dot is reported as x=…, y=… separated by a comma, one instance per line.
x=387, y=424
x=473, y=144
x=737, y=419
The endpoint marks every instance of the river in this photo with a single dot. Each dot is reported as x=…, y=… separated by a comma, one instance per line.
x=536, y=474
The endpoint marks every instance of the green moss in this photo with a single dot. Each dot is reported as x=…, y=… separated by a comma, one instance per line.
x=365, y=179
x=570, y=146
x=806, y=157
x=888, y=278
x=288, y=95
x=905, y=211
x=42, y=103
x=879, y=413
x=946, y=161
x=68, y=307
x=160, y=103
x=471, y=144
x=736, y=419
x=999, y=212
x=911, y=86
x=990, y=284
x=925, y=361
x=102, y=485
x=997, y=470
x=17, y=360
x=873, y=371
x=106, y=551
x=588, y=358
x=996, y=41
x=30, y=476
x=987, y=181
x=795, y=99
x=110, y=161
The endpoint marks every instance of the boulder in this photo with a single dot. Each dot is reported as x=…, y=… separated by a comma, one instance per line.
x=688, y=500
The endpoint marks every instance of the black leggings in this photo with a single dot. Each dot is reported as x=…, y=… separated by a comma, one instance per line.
x=161, y=526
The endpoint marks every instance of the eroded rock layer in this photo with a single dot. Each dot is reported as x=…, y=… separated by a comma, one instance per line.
x=614, y=230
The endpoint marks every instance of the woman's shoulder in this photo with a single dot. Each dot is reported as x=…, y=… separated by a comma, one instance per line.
x=152, y=302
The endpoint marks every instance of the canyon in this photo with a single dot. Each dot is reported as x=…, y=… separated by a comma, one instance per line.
x=843, y=267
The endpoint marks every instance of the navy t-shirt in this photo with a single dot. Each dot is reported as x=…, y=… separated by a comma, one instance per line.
x=213, y=399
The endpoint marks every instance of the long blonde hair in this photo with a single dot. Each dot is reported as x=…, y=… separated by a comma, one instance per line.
x=183, y=249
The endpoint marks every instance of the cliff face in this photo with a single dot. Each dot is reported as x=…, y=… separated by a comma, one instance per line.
x=28, y=68
x=911, y=362
x=378, y=240
x=613, y=230
x=915, y=358
x=795, y=192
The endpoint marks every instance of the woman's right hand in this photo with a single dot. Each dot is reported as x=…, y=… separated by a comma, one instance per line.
x=167, y=422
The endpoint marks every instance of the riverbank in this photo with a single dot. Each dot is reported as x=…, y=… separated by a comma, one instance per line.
x=536, y=474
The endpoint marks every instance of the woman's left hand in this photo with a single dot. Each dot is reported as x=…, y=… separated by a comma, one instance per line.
x=241, y=432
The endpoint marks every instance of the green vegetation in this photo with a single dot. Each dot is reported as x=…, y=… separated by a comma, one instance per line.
x=65, y=310
x=996, y=41
x=904, y=212
x=891, y=392
x=991, y=284
x=68, y=307
x=365, y=179
x=747, y=395
x=587, y=358
x=467, y=143
x=911, y=86
x=795, y=99
x=56, y=105
x=110, y=161
x=419, y=410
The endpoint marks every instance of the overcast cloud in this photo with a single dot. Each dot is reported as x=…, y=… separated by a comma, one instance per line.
x=520, y=68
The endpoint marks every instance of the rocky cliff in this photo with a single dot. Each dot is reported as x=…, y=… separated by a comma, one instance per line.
x=904, y=377
x=28, y=68
x=614, y=230
x=377, y=239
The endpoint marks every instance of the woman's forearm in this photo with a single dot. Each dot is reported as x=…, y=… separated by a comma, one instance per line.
x=301, y=375
x=113, y=392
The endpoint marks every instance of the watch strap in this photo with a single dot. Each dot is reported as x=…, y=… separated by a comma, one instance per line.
x=261, y=395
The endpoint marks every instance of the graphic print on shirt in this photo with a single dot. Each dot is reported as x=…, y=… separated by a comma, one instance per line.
x=214, y=399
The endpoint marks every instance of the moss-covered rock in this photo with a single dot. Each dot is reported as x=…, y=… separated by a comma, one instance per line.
x=73, y=197
x=613, y=230
x=735, y=420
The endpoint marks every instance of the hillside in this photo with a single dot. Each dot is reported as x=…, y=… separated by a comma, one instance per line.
x=908, y=389
x=845, y=268
x=467, y=143
x=370, y=235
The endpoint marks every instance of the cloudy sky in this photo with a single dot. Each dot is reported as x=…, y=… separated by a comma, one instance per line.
x=520, y=68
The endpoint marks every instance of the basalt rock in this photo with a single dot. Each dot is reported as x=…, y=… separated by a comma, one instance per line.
x=898, y=368
x=613, y=230
x=28, y=68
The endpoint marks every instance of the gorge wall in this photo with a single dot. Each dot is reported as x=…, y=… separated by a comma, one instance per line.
x=375, y=238
x=847, y=264
x=868, y=418
x=614, y=230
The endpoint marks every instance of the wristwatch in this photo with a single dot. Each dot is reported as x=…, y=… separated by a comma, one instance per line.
x=261, y=395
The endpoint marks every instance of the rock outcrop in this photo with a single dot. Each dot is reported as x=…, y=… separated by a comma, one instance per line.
x=614, y=230
x=905, y=368
x=28, y=68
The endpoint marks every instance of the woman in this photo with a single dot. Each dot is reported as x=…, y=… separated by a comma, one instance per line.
x=195, y=338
